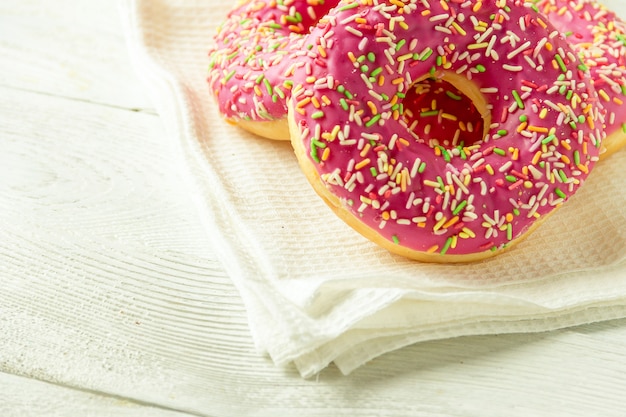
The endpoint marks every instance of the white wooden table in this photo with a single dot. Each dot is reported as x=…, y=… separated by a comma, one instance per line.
x=112, y=303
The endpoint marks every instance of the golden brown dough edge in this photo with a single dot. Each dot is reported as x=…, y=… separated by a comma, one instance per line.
x=273, y=129
x=612, y=143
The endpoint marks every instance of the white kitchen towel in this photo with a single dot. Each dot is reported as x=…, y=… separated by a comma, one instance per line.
x=315, y=291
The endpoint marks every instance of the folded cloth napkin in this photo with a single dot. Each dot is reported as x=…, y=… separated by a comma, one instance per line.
x=315, y=291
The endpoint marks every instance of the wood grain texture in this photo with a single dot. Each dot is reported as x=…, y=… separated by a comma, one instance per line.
x=22, y=397
x=112, y=302
x=91, y=169
x=68, y=48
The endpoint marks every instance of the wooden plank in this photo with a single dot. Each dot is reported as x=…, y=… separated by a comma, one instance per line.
x=103, y=259
x=68, y=48
x=25, y=397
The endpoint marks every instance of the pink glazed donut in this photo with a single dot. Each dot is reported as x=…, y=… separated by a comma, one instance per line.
x=443, y=203
x=599, y=36
x=250, y=61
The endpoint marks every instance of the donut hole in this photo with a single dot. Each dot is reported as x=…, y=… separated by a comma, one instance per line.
x=440, y=114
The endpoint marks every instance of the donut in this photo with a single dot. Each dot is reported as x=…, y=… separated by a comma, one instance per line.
x=250, y=61
x=600, y=37
x=541, y=131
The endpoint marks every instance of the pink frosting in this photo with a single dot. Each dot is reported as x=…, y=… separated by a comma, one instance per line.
x=600, y=37
x=349, y=97
x=250, y=57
